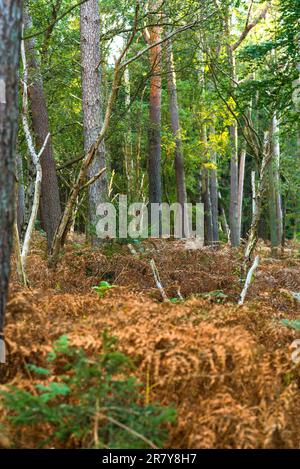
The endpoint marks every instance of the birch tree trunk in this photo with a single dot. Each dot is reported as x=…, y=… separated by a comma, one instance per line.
x=10, y=34
x=92, y=105
x=50, y=209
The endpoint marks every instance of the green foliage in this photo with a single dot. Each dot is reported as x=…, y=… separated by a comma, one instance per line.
x=293, y=324
x=88, y=403
x=102, y=288
x=218, y=295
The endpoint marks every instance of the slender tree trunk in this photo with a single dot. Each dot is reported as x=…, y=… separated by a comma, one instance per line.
x=10, y=33
x=234, y=161
x=154, y=163
x=262, y=186
x=137, y=181
x=276, y=221
x=50, y=209
x=206, y=196
x=224, y=223
x=20, y=193
x=253, y=187
x=234, y=187
x=241, y=190
x=214, y=195
x=92, y=104
x=206, y=199
x=128, y=154
x=175, y=124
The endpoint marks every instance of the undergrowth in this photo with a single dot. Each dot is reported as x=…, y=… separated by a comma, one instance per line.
x=87, y=403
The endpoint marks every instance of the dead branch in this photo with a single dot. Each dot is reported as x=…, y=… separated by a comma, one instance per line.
x=248, y=280
x=158, y=281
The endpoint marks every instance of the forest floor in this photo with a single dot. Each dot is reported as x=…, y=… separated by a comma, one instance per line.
x=227, y=369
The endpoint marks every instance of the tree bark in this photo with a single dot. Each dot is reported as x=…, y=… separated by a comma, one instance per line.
x=128, y=153
x=275, y=204
x=241, y=190
x=214, y=195
x=253, y=234
x=20, y=193
x=234, y=160
x=92, y=105
x=154, y=162
x=10, y=34
x=234, y=187
x=50, y=209
x=205, y=195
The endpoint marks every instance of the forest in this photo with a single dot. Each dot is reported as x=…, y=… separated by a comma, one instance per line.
x=149, y=224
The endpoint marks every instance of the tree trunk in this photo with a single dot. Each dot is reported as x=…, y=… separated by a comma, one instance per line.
x=234, y=187
x=224, y=223
x=20, y=193
x=50, y=209
x=10, y=33
x=275, y=205
x=154, y=163
x=234, y=163
x=128, y=154
x=253, y=186
x=214, y=196
x=253, y=234
x=175, y=124
x=241, y=190
x=206, y=199
x=92, y=104
x=206, y=196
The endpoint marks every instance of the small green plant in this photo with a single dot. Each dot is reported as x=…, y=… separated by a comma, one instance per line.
x=88, y=403
x=102, y=288
x=218, y=295
x=293, y=324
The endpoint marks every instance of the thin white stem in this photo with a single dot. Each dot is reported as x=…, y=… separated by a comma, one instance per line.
x=35, y=157
x=158, y=281
x=248, y=280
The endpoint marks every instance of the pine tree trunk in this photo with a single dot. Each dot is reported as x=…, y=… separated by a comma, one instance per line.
x=92, y=105
x=154, y=163
x=50, y=209
x=10, y=33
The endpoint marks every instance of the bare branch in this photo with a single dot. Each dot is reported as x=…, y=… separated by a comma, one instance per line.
x=250, y=26
x=93, y=179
